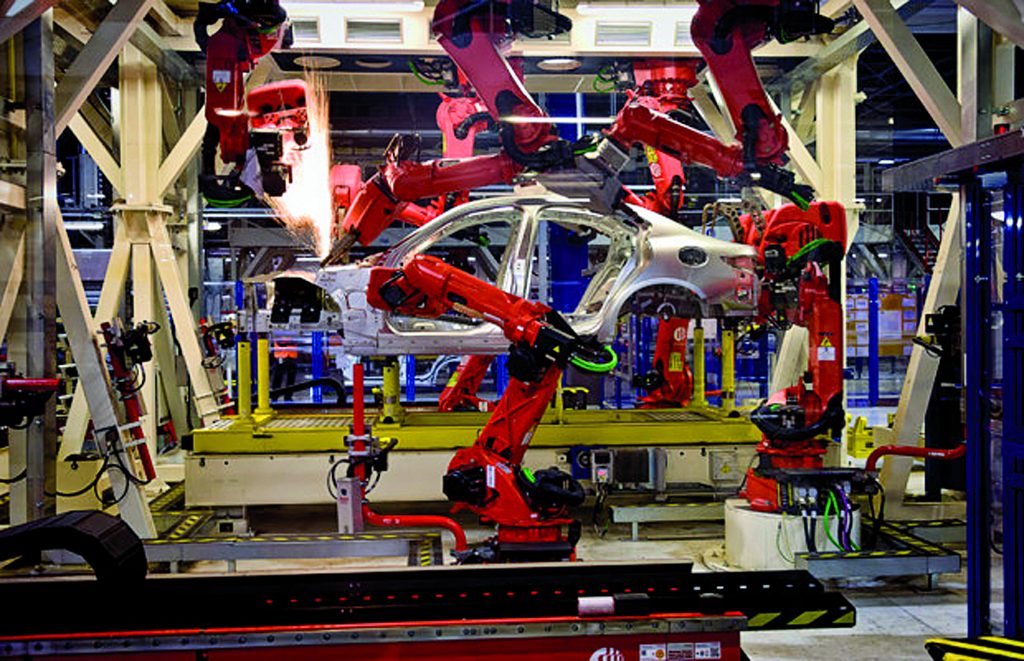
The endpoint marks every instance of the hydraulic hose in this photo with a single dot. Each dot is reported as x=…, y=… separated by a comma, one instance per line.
x=417, y=521
x=913, y=451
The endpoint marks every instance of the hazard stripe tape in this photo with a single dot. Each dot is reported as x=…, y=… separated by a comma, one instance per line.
x=761, y=619
x=983, y=651
x=805, y=618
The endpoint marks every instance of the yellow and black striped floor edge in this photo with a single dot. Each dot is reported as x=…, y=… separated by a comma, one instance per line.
x=984, y=648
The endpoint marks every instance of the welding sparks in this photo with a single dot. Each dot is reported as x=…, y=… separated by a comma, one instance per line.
x=306, y=209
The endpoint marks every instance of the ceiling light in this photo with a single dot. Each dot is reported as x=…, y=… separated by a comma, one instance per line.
x=83, y=225
x=601, y=9
x=385, y=6
x=317, y=62
x=212, y=226
x=373, y=63
x=559, y=64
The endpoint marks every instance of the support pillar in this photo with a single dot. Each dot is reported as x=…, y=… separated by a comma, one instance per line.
x=263, y=376
x=40, y=281
x=728, y=369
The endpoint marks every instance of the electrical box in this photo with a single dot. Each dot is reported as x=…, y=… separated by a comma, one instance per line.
x=724, y=469
x=641, y=469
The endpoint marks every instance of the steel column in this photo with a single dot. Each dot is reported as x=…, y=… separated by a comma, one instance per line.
x=40, y=259
x=1013, y=413
x=978, y=388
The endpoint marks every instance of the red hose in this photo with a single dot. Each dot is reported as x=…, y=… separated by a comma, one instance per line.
x=417, y=521
x=913, y=451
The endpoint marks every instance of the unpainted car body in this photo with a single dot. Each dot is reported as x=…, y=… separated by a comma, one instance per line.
x=639, y=261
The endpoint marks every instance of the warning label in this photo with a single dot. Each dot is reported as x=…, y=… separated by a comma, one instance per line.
x=221, y=78
x=709, y=650
x=653, y=653
x=680, y=652
x=675, y=362
x=826, y=351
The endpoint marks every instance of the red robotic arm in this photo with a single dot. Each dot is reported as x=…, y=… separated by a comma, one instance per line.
x=474, y=34
x=725, y=31
x=249, y=31
x=487, y=477
x=801, y=253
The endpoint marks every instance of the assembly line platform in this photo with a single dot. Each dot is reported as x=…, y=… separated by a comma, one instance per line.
x=421, y=430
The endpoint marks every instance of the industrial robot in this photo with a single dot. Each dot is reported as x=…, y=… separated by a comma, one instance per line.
x=257, y=136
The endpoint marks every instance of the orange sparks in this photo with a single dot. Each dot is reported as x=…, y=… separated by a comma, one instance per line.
x=306, y=209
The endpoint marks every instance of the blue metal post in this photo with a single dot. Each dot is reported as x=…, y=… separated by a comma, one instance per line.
x=501, y=374
x=318, y=365
x=239, y=304
x=873, y=342
x=1013, y=412
x=410, y=378
x=978, y=386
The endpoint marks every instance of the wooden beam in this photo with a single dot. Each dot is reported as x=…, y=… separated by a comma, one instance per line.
x=1000, y=15
x=12, y=195
x=923, y=367
x=913, y=63
x=183, y=153
x=92, y=143
x=167, y=21
x=12, y=25
x=12, y=286
x=718, y=122
x=843, y=47
x=93, y=61
x=806, y=112
x=144, y=38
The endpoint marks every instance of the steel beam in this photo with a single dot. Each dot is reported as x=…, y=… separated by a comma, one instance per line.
x=98, y=151
x=846, y=45
x=182, y=154
x=40, y=259
x=12, y=25
x=13, y=249
x=1001, y=15
x=97, y=56
x=923, y=173
x=908, y=55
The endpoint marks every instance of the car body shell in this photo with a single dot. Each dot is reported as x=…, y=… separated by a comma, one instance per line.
x=641, y=262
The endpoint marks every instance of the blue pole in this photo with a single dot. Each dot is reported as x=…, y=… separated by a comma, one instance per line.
x=977, y=389
x=873, y=342
x=318, y=365
x=410, y=378
x=239, y=304
x=1013, y=414
x=501, y=374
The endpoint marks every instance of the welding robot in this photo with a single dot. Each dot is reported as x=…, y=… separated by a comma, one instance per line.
x=800, y=246
x=258, y=135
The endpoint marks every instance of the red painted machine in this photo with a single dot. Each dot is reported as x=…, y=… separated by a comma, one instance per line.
x=22, y=399
x=249, y=31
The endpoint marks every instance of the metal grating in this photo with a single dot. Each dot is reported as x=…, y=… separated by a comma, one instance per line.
x=308, y=423
x=676, y=416
x=374, y=31
x=623, y=34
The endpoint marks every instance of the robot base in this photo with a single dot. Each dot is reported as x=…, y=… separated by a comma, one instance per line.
x=767, y=540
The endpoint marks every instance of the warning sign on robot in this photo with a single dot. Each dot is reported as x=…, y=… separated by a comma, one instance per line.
x=826, y=351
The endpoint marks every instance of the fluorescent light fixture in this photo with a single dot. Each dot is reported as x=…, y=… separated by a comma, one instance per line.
x=386, y=6
x=601, y=9
x=83, y=225
x=559, y=64
x=317, y=62
x=212, y=226
x=558, y=120
x=887, y=161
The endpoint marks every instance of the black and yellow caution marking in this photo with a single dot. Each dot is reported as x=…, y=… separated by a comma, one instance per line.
x=826, y=615
x=986, y=648
x=173, y=498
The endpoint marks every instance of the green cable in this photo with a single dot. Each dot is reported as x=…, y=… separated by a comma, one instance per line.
x=828, y=532
x=600, y=368
x=806, y=249
x=227, y=204
x=420, y=77
x=800, y=201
